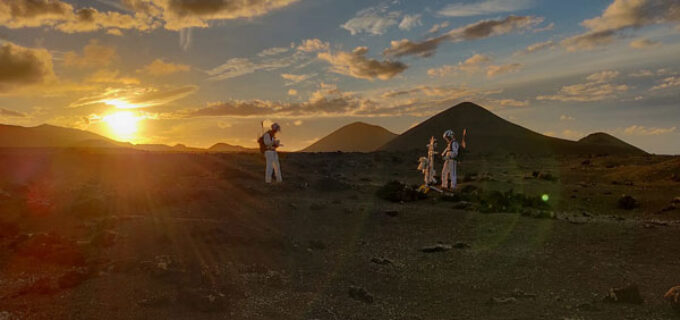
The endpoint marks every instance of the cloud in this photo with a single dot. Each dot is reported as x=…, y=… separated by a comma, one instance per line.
x=63, y=16
x=670, y=82
x=9, y=113
x=410, y=21
x=179, y=14
x=357, y=65
x=621, y=15
x=236, y=67
x=292, y=92
x=470, y=65
x=536, y=47
x=478, y=30
x=565, y=117
x=510, y=102
x=273, y=51
x=21, y=66
x=438, y=27
x=643, y=43
x=373, y=20
x=313, y=45
x=148, y=14
x=296, y=78
x=636, y=130
x=111, y=76
x=486, y=7
x=136, y=97
x=597, y=88
x=496, y=70
x=161, y=68
x=94, y=55
x=603, y=76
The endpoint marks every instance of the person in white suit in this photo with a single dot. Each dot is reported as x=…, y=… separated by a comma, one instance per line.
x=449, y=155
x=270, y=154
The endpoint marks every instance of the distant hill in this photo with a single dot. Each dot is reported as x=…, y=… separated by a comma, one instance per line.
x=604, y=139
x=47, y=136
x=490, y=134
x=354, y=137
x=225, y=147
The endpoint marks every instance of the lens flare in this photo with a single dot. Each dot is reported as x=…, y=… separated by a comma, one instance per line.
x=545, y=197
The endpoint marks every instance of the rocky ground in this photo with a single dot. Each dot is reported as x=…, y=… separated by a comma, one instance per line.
x=91, y=235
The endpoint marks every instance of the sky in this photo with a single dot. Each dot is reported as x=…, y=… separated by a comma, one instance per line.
x=203, y=72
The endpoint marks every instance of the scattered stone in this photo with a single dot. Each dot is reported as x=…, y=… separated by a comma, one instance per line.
x=382, y=261
x=462, y=205
x=329, y=184
x=629, y=295
x=439, y=247
x=673, y=297
x=520, y=294
x=39, y=286
x=360, y=294
x=627, y=202
x=155, y=301
x=396, y=191
x=588, y=307
x=317, y=206
x=4, y=315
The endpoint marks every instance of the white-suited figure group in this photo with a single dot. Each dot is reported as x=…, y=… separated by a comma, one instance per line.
x=268, y=145
x=450, y=156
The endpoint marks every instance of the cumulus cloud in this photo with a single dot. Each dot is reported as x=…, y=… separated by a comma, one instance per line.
x=643, y=43
x=356, y=64
x=161, y=68
x=296, y=78
x=510, y=102
x=273, y=51
x=670, y=82
x=9, y=113
x=94, y=55
x=536, y=47
x=565, y=117
x=410, y=21
x=313, y=45
x=474, y=31
x=21, y=66
x=64, y=17
x=596, y=88
x=621, y=15
x=292, y=92
x=469, y=65
x=636, y=130
x=485, y=7
x=603, y=76
x=496, y=70
x=373, y=20
x=148, y=14
x=438, y=27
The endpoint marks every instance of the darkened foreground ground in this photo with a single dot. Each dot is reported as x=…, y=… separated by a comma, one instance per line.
x=87, y=235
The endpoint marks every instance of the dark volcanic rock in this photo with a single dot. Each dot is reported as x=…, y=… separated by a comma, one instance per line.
x=627, y=202
x=360, y=294
x=396, y=191
x=629, y=294
x=439, y=247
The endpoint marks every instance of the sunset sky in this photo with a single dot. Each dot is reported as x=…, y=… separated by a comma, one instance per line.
x=202, y=72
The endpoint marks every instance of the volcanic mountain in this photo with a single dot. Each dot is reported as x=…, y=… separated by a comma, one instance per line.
x=225, y=147
x=354, y=137
x=490, y=134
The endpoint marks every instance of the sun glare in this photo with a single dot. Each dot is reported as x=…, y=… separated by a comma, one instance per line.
x=123, y=125
x=120, y=104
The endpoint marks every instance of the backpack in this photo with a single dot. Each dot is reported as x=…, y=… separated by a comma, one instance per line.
x=260, y=141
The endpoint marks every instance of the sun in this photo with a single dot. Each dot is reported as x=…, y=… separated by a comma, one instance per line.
x=123, y=124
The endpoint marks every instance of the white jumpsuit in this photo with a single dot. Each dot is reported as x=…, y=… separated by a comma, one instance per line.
x=272, y=159
x=449, y=169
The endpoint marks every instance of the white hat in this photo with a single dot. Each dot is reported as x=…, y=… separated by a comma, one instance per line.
x=448, y=134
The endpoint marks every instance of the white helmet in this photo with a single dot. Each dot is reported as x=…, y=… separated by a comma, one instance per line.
x=448, y=134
